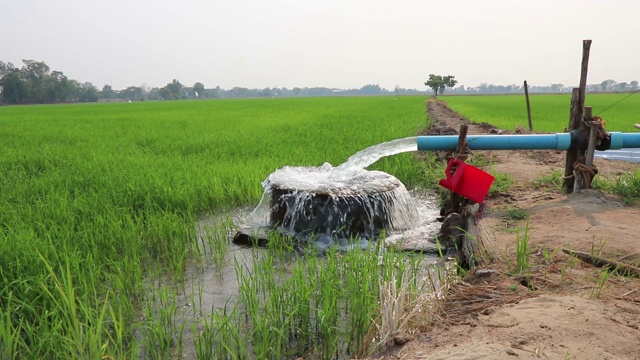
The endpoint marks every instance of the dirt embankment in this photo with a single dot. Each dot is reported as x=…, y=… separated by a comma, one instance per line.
x=565, y=308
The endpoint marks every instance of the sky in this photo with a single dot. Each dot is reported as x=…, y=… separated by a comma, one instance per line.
x=342, y=44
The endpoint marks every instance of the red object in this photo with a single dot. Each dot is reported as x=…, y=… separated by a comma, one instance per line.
x=467, y=181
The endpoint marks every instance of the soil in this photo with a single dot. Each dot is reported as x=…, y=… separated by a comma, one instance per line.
x=565, y=308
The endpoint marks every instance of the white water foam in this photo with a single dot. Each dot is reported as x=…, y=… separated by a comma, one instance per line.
x=326, y=197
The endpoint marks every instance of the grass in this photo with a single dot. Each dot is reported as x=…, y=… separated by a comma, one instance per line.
x=523, y=251
x=550, y=113
x=98, y=207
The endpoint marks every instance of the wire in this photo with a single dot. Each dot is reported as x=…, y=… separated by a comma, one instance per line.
x=615, y=103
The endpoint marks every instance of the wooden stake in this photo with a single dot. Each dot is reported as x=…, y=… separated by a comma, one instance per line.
x=577, y=112
x=572, y=154
x=460, y=150
x=526, y=95
x=593, y=132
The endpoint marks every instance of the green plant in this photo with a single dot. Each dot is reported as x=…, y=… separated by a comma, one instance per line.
x=501, y=183
x=549, y=256
x=553, y=181
x=598, y=251
x=522, y=251
x=516, y=214
x=600, y=286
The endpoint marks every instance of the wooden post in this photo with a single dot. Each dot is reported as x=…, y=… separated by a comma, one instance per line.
x=577, y=112
x=572, y=154
x=591, y=149
x=586, y=47
x=526, y=95
x=459, y=154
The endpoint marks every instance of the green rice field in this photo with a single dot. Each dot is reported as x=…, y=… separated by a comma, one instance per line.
x=98, y=203
x=99, y=209
x=549, y=113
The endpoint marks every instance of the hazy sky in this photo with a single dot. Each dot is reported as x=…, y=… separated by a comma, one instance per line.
x=328, y=43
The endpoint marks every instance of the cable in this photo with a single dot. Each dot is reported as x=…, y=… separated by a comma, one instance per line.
x=612, y=105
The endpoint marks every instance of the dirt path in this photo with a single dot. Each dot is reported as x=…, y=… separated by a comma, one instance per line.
x=575, y=311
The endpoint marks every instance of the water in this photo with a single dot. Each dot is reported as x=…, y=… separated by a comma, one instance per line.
x=338, y=203
x=370, y=155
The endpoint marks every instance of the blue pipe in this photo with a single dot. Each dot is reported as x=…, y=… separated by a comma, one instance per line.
x=561, y=141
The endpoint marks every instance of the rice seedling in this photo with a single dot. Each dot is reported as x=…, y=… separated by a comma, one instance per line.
x=601, y=284
x=523, y=251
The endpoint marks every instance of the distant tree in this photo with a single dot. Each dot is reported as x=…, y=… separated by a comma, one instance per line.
x=607, y=85
x=199, y=89
x=15, y=90
x=5, y=68
x=634, y=85
x=35, y=72
x=557, y=87
x=175, y=88
x=107, y=92
x=131, y=93
x=85, y=92
x=217, y=92
x=621, y=86
x=370, y=89
x=165, y=94
x=57, y=88
x=439, y=83
x=266, y=92
x=153, y=94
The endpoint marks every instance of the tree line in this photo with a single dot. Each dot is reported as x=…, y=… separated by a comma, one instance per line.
x=605, y=86
x=36, y=83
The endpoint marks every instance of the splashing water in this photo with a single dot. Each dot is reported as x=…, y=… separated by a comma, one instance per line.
x=339, y=201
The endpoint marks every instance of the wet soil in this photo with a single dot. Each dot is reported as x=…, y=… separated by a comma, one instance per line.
x=564, y=308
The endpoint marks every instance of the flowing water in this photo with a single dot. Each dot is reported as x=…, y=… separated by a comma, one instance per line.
x=370, y=155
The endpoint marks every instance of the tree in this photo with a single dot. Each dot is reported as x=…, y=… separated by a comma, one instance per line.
x=107, y=92
x=370, y=89
x=85, y=92
x=621, y=86
x=634, y=85
x=199, y=89
x=15, y=89
x=607, y=84
x=439, y=83
x=131, y=93
x=35, y=72
x=557, y=87
x=175, y=88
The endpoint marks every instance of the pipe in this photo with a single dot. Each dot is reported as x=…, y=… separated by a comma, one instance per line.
x=561, y=141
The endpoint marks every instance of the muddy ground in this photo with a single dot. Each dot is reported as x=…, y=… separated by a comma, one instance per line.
x=565, y=308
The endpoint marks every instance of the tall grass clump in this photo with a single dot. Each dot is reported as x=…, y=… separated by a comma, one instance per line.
x=98, y=208
x=314, y=305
